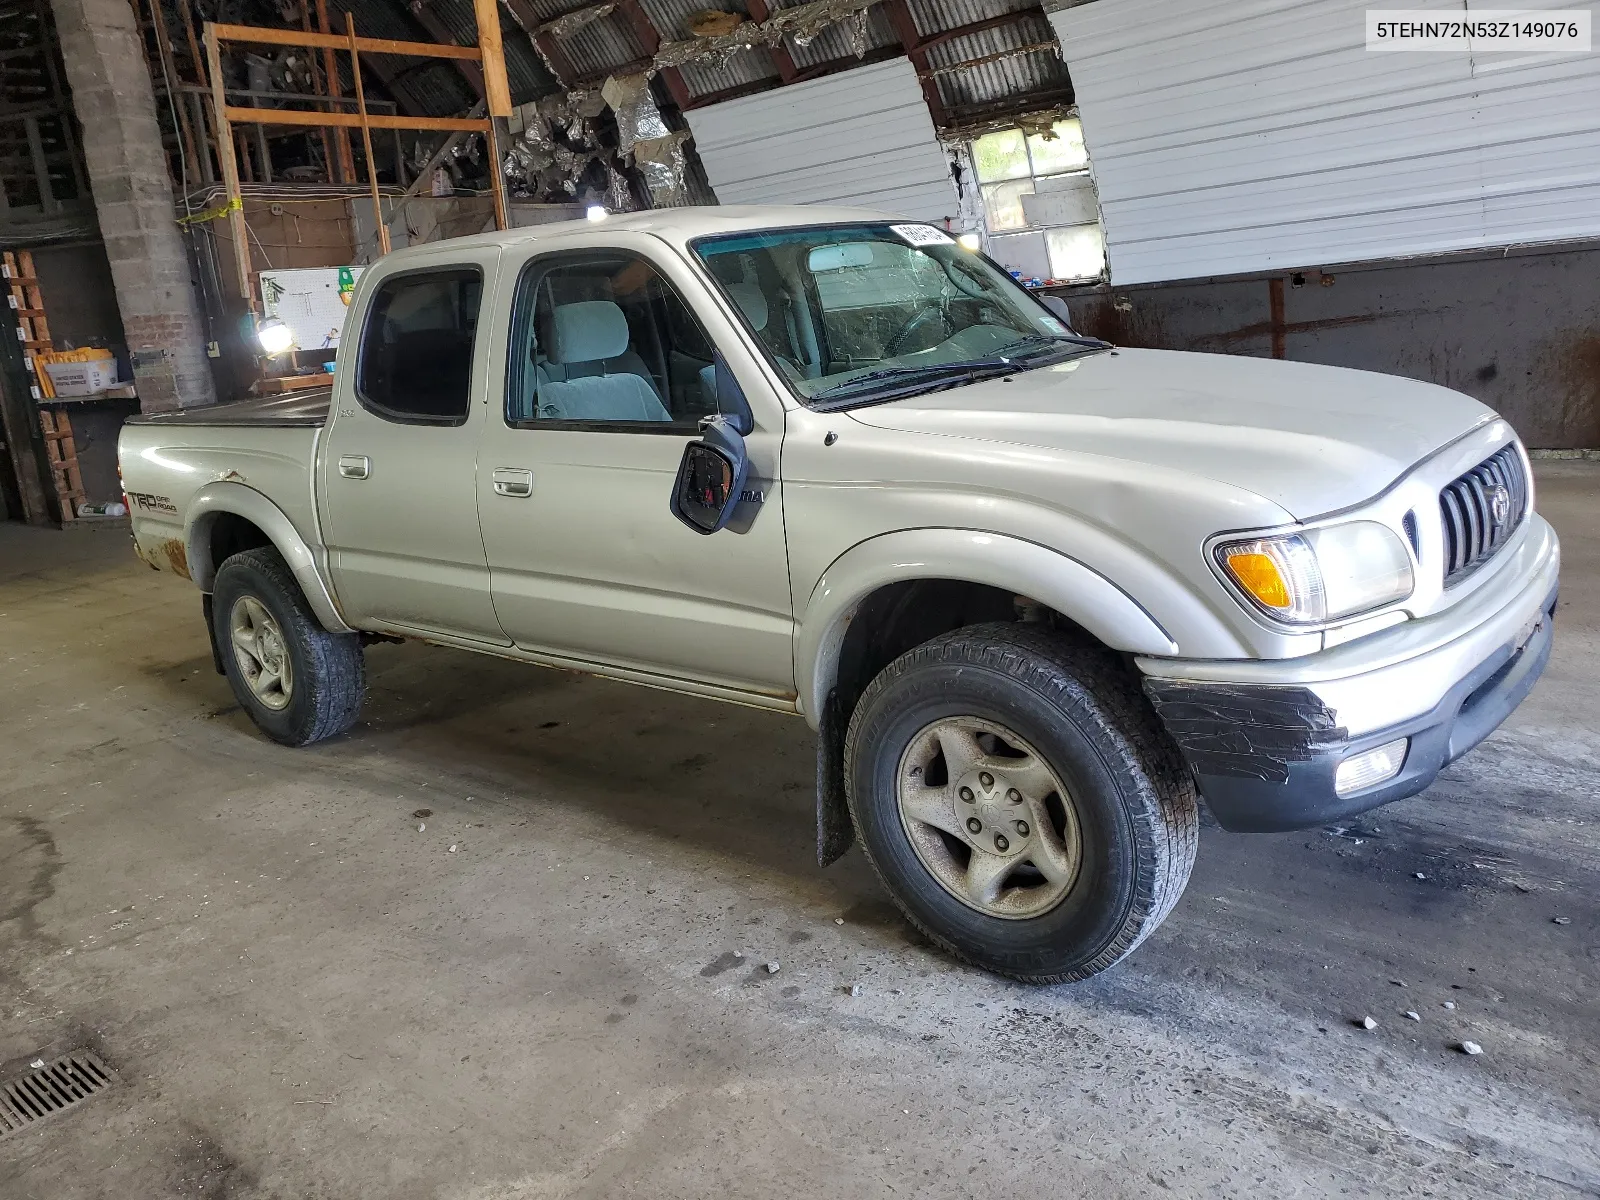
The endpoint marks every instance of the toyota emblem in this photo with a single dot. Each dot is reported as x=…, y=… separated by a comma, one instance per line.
x=1499, y=504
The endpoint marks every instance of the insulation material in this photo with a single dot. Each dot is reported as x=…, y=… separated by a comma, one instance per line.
x=661, y=161
x=643, y=136
x=803, y=22
x=1230, y=139
x=635, y=110
x=568, y=24
x=861, y=137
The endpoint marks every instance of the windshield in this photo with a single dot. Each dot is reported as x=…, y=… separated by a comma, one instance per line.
x=856, y=313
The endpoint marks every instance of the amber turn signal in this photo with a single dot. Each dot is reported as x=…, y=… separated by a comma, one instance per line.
x=1259, y=576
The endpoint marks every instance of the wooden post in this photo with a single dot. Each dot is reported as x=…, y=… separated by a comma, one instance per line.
x=230, y=168
x=497, y=176
x=496, y=89
x=180, y=117
x=366, y=134
x=330, y=69
x=318, y=86
x=207, y=136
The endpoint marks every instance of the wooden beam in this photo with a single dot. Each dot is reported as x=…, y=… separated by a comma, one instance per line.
x=382, y=226
x=523, y=12
x=496, y=88
x=259, y=35
x=346, y=159
x=342, y=120
x=230, y=166
x=832, y=66
x=649, y=38
x=905, y=31
x=736, y=92
x=425, y=177
x=438, y=30
x=781, y=58
x=169, y=66
x=947, y=35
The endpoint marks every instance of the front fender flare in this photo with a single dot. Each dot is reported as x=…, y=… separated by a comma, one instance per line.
x=1026, y=568
x=216, y=499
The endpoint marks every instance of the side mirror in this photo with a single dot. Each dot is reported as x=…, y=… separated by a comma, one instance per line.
x=711, y=476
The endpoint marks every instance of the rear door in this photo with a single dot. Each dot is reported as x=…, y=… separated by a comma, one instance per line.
x=399, y=467
x=608, y=374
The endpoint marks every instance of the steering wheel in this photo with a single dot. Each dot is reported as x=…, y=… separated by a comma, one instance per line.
x=912, y=326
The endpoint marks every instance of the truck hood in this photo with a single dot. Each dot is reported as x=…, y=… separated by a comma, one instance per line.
x=1311, y=439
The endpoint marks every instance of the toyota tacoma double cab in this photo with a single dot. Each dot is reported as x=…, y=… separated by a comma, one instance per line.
x=1037, y=595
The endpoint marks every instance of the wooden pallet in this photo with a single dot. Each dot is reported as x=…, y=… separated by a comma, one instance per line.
x=33, y=331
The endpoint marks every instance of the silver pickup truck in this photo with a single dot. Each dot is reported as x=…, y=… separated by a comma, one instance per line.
x=1037, y=595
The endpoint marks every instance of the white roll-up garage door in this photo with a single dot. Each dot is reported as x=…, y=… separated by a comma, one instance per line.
x=1230, y=137
x=862, y=137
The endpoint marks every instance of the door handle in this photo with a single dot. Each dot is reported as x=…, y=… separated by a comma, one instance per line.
x=355, y=466
x=512, y=481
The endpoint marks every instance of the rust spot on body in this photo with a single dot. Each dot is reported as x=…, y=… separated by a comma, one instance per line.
x=177, y=556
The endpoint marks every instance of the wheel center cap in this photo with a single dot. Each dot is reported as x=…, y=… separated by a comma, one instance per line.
x=992, y=811
x=271, y=649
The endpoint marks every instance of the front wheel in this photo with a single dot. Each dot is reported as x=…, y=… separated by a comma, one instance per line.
x=299, y=682
x=1020, y=802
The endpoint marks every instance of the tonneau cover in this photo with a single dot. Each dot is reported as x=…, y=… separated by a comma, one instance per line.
x=309, y=407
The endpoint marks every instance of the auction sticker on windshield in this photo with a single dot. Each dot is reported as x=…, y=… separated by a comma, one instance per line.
x=922, y=235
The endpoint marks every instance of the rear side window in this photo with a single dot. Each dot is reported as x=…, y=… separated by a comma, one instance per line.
x=416, y=352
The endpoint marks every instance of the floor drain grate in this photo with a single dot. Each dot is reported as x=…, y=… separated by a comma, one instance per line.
x=49, y=1088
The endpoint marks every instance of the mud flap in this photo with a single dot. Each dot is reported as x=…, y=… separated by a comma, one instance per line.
x=211, y=632
x=835, y=831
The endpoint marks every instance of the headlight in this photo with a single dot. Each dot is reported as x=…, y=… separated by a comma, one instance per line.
x=1322, y=574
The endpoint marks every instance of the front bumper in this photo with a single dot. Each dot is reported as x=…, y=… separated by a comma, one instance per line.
x=1264, y=740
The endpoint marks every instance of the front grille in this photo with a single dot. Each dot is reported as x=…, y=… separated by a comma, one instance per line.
x=1467, y=507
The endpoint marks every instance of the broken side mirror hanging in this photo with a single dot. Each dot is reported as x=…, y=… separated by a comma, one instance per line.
x=712, y=474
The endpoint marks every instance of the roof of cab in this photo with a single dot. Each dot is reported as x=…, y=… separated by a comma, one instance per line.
x=677, y=224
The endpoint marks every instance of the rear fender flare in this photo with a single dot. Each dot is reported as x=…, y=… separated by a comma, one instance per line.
x=1025, y=568
x=222, y=497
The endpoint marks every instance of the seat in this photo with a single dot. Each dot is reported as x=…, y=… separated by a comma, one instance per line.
x=577, y=382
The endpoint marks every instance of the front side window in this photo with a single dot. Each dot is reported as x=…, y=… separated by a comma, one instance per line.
x=855, y=312
x=415, y=363
x=603, y=339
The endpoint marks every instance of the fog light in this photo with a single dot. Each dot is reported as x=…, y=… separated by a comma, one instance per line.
x=1370, y=767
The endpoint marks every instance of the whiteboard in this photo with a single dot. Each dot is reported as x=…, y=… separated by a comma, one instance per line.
x=309, y=301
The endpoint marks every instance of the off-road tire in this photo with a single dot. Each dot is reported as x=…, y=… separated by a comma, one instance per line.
x=1080, y=708
x=328, y=669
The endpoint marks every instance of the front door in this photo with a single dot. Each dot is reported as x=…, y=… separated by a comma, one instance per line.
x=399, y=461
x=608, y=374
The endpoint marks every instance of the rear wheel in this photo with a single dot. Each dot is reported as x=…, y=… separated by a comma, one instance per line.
x=1020, y=802
x=299, y=682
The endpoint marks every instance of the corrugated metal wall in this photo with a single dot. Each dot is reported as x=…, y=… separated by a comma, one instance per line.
x=861, y=137
x=1233, y=137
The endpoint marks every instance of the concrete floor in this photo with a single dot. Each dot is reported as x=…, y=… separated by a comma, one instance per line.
x=540, y=994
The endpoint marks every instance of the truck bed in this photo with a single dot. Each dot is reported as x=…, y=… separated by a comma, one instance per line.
x=309, y=407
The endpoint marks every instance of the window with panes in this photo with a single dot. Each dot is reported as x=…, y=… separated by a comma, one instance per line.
x=1034, y=183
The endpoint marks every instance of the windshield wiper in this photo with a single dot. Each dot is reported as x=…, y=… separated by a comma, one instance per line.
x=1034, y=342
x=971, y=368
